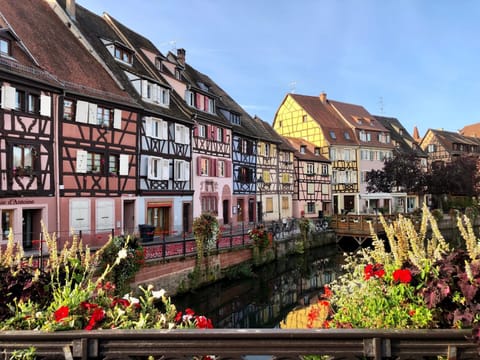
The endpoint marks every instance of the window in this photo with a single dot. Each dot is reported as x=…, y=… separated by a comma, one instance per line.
x=209, y=204
x=158, y=64
x=94, y=162
x=7, y=223
x=303, y=149
x=286, y=178
x=324, y=169
x=182, y=170
x=245, y=175
x=310, y=188
x=23, y=157
x=221, y=168
x=182, y=134
x=204, y=167
x=156, y=128
x=104, y=116
x=5, y=47
x=310, y=169
x=154, y=93
x=20, y=100
x=267, y=150
x=178, y=74
x=304, y=118
x=235, y=119
x=202, y=131
x=123, y=54
x=310, y=208
x=431, y=148
x=332, y=135
x=269, y=205
x=346, y=134
x=158, y=168
x=68, y=110
x=113, y=164
x=317, y=151
x=220, y=132
x=285, y=203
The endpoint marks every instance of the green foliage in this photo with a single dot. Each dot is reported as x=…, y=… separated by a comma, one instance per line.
x=122, y=274
x=238, y=272
x=24, y=354
x=76, y=296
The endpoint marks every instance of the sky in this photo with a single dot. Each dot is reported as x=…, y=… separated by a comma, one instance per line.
x=415, y=60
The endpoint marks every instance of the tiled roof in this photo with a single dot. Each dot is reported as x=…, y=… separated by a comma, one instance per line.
x=309, y=154
x=57, y=50
x=401, y=136
x=328, y=120
x=448, y=138
x=222, y=100
x=471, y=130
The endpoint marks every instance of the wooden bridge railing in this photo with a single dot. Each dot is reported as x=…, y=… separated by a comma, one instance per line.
x=237, y=343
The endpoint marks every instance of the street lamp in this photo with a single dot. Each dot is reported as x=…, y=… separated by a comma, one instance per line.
x=260, y=184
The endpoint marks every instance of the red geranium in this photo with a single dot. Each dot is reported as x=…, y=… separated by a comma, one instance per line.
x=61, y=313
x=373, y=271
x=402, y=275
x=203, y=323
x=97, y=316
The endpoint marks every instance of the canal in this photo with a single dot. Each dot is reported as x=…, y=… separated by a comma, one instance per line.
x=263, y=300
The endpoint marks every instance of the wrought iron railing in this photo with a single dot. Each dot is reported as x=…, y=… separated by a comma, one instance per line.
x=236, y=344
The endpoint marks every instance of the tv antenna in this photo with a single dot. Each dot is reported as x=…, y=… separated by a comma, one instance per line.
x=293, y=86
x=380, y=104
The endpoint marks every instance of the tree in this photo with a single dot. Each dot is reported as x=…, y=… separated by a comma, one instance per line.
x=459, y=177
x=402, y=172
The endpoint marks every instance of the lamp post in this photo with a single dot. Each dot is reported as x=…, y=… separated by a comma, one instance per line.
x=260, y=184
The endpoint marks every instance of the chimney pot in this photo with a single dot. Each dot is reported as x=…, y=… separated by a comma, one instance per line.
x=70, y=8
x=323, y=97
x=181, y=56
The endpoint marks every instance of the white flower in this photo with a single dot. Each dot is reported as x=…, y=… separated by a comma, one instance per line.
x=131, y=299
x=122, y=254
x=158, y=294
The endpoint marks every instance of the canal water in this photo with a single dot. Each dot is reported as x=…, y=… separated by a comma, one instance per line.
x=264, y=300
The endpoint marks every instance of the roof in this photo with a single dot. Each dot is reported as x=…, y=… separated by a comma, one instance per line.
x=309, y=154
x=223, y=100
x=57, y=51
x=471, y=130
x=405, y=142
x=448, y=138
x=327, y=119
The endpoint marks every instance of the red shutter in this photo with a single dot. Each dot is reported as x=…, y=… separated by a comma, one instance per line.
x=228, y=167
x=209, y=132
x=199, y=166
x=198, y=101
x=225, y=133
x=195, y=131
x=213, y=163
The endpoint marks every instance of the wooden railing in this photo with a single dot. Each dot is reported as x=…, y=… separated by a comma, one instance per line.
x=236, y=343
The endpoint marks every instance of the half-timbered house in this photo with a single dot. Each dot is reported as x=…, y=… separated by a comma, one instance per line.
x=274, y=174
x=27, y=182
x=211, y=160
x=312, y=196
x=164, y=185
x=313, y=119
x=90, y=124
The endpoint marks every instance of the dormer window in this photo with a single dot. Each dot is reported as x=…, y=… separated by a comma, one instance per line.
x=155, y=93
x=332, y=135
x=5, y=47
x=303, y=149
x=346, y=134
x=178, y=74
x=200, y=101
x=158, y=64
x=123, y=54
x=317, y=151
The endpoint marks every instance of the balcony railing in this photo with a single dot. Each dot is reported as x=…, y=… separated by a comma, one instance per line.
x=238, y=343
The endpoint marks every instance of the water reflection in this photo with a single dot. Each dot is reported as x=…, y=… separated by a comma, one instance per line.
x=263, y=301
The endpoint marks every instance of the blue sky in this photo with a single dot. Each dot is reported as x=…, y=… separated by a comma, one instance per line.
x=416, y=60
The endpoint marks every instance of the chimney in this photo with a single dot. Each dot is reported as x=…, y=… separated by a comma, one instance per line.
x=181, y=56
x=70, y=8
x=323, y=97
